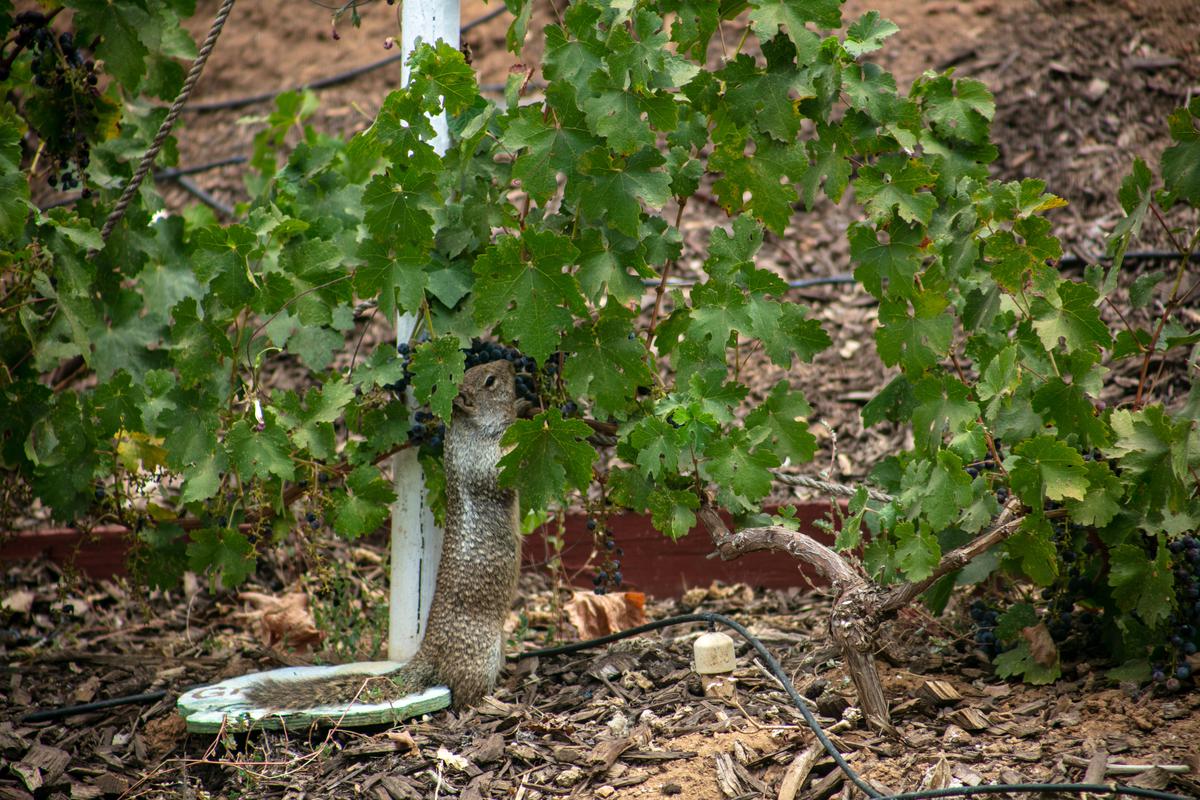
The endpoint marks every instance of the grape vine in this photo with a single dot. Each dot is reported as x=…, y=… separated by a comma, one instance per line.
x=531, y=240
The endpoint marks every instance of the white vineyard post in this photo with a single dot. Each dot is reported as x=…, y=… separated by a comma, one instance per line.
x=416, y=540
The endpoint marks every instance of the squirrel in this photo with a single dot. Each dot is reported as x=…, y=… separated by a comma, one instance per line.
x=477, y=579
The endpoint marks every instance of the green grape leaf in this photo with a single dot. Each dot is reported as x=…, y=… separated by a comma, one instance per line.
x=896, y=186
x=941, y=490
x=612, y=187
x=1142, y=584
x=1020, y=661
x=260, y=453
x=120, y=26
x=314, y=345
x=1014, y=618
x=222, y=551
x=942, y=406
x=311, y=427
x=897, y=260
x=549, y=145
x=608, y=362
x=1070, y=314
x=437, y=370
x=162, y=559
x=202, y=479
x=1102, y=502
x=1001, y=376
x=784, y=416
x=719, y=310
x=1032, y=548
x=867, y=33
x=673, y=511
x=14, y=186
x=616, y=115
x=396, y=206
x=960, y=109
x=915, y=341
x=784, y=331
x=365, y=504
x=441, y=70
x=1044, y=467
x=657, y=445
x=382, y=368
x=1181, y=161
x=829, y=165
x=527, y=273
x=735, y=465
x=895, y=403
x=1142, y=290
x=917, y=550
x=1135, y=197
x=1066, y=405
x=199, y=347
x=1153, y=447
x=397, y=278
x=761, y=175
x=768, y=97
x=695, y=22
x=549, y=455
x=604, y=269
x=316, y=281
x=768, y=17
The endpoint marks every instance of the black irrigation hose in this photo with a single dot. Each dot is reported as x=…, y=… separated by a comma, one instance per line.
x=176, y=172
x=804, y=283
x=332, y=80
x=779, y=673
x=205, y=197
x=85, y=708
x=1136, y=255
x=1005, y=788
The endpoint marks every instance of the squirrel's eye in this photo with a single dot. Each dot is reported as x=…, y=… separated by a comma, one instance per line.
x=490, y=380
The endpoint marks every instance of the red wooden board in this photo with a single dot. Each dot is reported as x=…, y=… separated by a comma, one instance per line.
x=654, y=564
x=100, y=553
x=650, y=562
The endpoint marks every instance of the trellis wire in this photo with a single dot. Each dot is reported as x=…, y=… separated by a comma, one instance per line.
x=332, y=80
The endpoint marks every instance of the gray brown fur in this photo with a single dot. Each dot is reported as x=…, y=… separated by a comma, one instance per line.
x=477, y=579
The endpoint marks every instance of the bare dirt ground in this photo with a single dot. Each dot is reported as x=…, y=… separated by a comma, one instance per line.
x=1082, y=87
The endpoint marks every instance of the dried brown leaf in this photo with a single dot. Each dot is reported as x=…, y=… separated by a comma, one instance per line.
x=283, y=620
x=598, y=615
x=1041, y=644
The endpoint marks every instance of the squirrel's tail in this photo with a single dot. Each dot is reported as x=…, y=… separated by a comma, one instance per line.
x=412, y=678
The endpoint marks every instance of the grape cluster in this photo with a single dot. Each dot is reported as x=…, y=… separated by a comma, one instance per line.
x=401, y=386
x=528, y=380
x=66, y=106
x=1074, y=628
x=608, y=576
x=427, y=432
x=1184, y=623
x=985, y=618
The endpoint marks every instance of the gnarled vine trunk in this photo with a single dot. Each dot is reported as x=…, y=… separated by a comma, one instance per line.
x=860, y=604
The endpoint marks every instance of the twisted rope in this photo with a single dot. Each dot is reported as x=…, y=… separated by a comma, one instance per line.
x=840, y=489
x=164, y=130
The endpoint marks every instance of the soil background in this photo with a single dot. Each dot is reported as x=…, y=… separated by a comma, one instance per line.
x=1082, y=88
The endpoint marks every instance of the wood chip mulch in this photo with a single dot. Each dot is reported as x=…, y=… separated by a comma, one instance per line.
x=629, y=721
